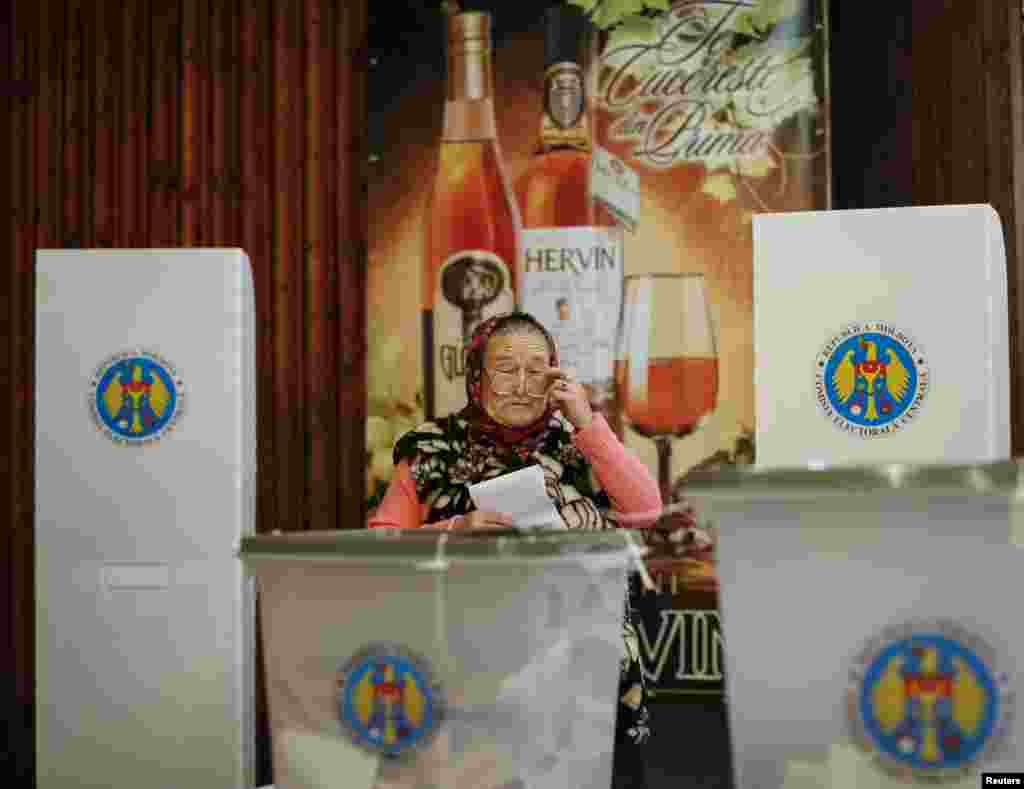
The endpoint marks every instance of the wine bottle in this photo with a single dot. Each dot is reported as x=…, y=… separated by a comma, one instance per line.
x=571, y=273
x=473, y=231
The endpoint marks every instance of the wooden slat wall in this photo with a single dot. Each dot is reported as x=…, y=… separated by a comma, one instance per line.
x=186, y=123
x=872, y=137
x=17, y=413
x=349, y=220
x=967, y=123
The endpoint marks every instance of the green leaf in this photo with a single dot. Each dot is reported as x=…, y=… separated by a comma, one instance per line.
x=639, y=26
x=586, y=5
x=790, y=91
x=602, y=16
x=635, y=30
x=720, y=186
x=606, y=14
x=756, y=167
x=771, y=12
x=746, y=24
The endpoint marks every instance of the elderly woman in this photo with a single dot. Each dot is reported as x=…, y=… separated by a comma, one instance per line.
x=524, y=410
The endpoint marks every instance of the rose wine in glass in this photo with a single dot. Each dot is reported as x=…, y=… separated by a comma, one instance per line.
x=666, y=372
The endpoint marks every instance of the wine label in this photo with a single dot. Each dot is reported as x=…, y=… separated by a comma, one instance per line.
x=563, y=94
x=616, y=186
x=472, y=286
x=564, y=122
x=571, y=281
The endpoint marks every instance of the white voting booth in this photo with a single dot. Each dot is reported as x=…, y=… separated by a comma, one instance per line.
x=145, y=467
x=921, y=291
x=874, y=541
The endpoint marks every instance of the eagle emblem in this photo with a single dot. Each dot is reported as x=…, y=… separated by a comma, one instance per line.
x=928, y=700
x=136, y=397
x=873, y=380
x=388, y=701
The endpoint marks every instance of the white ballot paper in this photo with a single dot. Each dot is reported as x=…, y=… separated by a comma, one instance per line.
x=520, y=495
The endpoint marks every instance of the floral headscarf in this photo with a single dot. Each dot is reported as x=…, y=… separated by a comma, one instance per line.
x=448, y=455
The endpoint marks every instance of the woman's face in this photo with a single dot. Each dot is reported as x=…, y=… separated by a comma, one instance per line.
x=510, y=354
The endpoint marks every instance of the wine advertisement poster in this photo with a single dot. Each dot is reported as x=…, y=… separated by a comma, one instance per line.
x=608, y=189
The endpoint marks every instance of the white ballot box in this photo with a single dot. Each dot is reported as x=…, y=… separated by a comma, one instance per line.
x=881, y=336
x=398, y=659
x=144, y=483
x=872, y=623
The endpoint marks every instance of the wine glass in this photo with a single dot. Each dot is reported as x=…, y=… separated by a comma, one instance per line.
x=666, y=370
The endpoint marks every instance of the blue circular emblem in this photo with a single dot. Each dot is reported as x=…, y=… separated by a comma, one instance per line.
x=136, y=397
x=871, y=379
x=927, y=701
x=388, y=700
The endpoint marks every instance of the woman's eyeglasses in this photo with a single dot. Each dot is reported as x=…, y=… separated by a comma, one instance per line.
x=534, y=384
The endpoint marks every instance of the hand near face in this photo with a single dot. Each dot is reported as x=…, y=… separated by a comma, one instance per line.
x=570, y=397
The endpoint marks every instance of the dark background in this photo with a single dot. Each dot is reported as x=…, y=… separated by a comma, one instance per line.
x=926, y=108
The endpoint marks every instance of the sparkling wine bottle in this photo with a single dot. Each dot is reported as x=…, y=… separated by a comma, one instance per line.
x=473, y=231
x=571, y=272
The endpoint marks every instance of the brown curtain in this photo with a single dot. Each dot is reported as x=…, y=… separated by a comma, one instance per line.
x=164, y=123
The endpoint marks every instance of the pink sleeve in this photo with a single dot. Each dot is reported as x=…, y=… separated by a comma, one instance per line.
x=401, y=507
x=621, y=473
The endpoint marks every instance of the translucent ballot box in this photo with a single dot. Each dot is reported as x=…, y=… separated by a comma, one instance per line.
x=872, y=622
x=462, y=660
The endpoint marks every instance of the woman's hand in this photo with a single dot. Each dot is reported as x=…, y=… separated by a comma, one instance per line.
x=483, y=519
x=570, y=397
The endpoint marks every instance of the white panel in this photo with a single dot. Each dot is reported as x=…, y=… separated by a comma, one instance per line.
x=806, y=581
x=937, y=273
x=144, y=638
x=999, y=339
